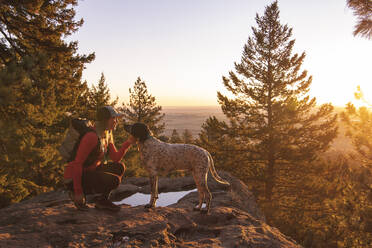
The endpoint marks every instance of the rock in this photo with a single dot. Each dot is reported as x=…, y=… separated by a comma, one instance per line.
x=124, y=191
x=51, y=220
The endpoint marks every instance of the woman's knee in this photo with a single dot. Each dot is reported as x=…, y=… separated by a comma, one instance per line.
x=110, y=182
x=116, y=182
x=119, y=168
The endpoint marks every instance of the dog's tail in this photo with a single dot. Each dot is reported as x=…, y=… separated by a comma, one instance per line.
x=214, y=172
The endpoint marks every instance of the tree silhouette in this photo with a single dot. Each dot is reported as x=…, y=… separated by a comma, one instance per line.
x=187, y=137
x=363, y=10
x=100, y=96
x=175, y=137
x=142, y=107
x=40, y=79
x=272, y=120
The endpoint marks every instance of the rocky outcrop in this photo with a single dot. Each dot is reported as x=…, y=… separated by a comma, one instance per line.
x=51, y=220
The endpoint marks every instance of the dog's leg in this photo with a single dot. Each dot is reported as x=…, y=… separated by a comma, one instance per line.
x=200, y=192
x=207, y=195
x=200, y=177
x=154, y=192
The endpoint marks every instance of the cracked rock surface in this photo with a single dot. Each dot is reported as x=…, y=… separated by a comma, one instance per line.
x=51, y=220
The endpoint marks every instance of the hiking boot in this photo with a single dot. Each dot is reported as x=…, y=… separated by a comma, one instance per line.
x=82, y=207
x=105, y=204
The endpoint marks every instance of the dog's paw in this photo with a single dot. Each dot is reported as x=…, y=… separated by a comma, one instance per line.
x=196, y=209
x=204, y=211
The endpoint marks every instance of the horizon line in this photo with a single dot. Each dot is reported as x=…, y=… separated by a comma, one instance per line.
x=203, y=106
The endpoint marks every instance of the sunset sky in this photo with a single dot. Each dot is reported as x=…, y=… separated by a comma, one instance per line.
x=182, y=48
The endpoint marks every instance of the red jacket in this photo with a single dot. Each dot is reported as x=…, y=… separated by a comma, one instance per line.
x=74, y=169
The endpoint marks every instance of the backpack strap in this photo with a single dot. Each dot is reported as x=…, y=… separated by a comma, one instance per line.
x=93, y=155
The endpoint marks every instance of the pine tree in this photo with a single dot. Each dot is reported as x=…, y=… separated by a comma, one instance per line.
x=272, y=120
x=83, y=107
x=40, y=79
x=229, y=154
x=175, y=137
x=359, y=129
x=187, y=137
x=143, y=108
x=100, y=96
x=363, y=10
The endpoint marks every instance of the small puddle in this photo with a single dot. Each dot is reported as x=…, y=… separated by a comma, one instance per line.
x=165, y=199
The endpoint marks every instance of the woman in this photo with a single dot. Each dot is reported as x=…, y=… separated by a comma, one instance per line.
x=91, y=176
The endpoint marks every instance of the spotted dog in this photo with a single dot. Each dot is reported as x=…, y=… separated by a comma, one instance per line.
x=159, y=158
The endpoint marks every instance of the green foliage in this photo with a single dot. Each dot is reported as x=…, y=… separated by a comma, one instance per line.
x=39, y=81
x=142, y=107
x=99, y=96
x=187, y=137
x=231, y=154
x=363, y=10
x=14, y=189
x=271, y=118
x=325, y=204
x=359, y=129
x=272, y=140
x=175, y=137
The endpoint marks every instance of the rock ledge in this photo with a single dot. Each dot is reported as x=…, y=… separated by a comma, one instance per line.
x=50, y=220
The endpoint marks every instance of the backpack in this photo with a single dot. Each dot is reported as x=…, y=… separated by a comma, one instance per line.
x=68, y=149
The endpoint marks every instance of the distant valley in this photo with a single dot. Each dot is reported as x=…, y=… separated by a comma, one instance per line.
x=191, y=118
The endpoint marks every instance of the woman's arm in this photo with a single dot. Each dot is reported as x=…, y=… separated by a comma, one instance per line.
x=117, y=155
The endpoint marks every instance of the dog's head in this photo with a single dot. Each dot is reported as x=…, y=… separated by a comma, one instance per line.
x=139, y=131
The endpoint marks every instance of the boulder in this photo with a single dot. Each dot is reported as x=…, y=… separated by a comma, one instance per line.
x=51, y=220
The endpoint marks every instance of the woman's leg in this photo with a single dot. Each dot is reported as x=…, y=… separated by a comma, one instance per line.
x=100, y=182
x=114, y=168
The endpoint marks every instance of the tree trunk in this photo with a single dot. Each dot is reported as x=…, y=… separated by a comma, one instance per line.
x=270, y=173
x=270, y=178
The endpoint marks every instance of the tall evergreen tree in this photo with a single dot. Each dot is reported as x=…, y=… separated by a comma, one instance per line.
x=40, y=79
x=142, y=107
x=100, y=96
x=272, y=120
x=363, y=10
x=83, y=107
x=227, y=151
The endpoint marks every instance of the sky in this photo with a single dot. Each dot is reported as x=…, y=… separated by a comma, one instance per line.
x=182, y=48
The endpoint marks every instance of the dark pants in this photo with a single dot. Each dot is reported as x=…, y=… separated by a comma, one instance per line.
x=103, y=180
